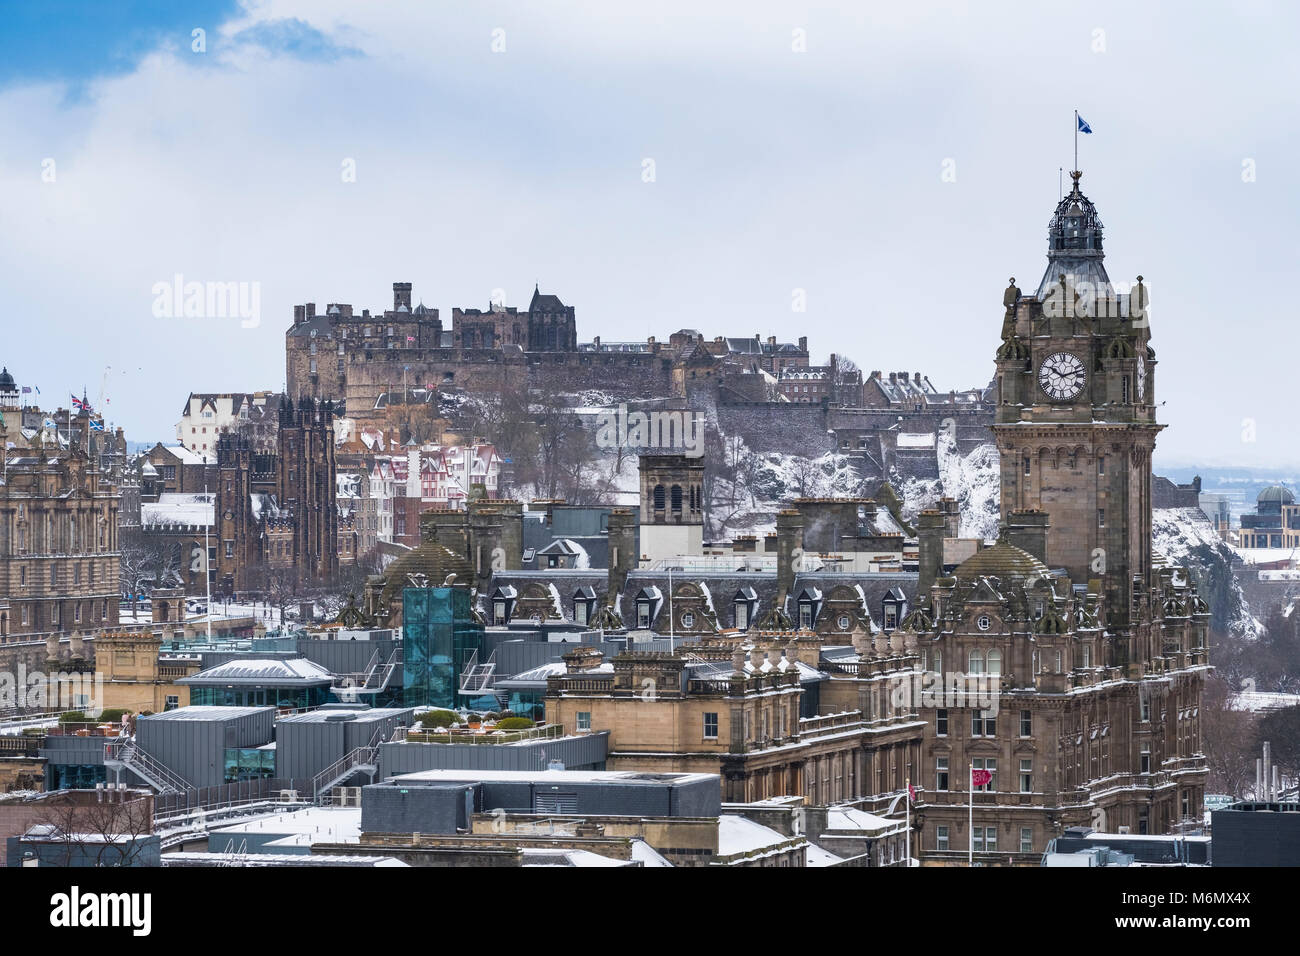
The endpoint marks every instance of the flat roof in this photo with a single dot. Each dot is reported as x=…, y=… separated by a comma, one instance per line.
x=644, y=778
x=333, y=715
x=317, y=824
x=207, y=712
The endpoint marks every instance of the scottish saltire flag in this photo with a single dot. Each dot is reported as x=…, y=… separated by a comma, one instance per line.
x=1083, y=124
x=49, y=423
x=96, y=426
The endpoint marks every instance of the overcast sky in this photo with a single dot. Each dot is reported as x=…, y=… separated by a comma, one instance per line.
x=774, y=170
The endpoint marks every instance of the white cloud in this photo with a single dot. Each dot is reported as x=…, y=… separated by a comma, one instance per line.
x=775, y=170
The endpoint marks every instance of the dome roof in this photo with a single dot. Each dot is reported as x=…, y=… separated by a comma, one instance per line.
x=1002, y=560
x=431, y=562
x=6, y=381
x=1276, y=494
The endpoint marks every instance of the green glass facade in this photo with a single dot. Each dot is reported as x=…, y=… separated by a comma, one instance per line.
x=296, y=697
x=439, y=634
x=249, y=763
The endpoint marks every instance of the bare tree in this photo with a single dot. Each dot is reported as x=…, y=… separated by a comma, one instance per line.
x=105, y=831
x=1226, y=736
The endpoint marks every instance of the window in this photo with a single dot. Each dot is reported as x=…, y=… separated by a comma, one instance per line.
x=1101, y=465
x=1026, y=464
x=941, y=838
x=1026, y=723
x=991, y=765
x=688, y=619
x=983, y=622
x=1086, y=651
x=584, y=720
x=941, y=723
x=995, y=663
x=230, y=549
x=805, y=615
x=643, y=614
x=975, y=662
x=941, y=773
x=1146, y=761
x=710, y=726
x=1101, y=517
x=498, y=612
x=580, y=613
x=173, y=701
x=1026, y=839
x=984, y=839
x=742, y=615
x=982, y=724
x=1026, y=776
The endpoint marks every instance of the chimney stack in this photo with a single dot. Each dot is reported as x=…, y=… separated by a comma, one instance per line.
x=621, y=528
x=930, y=534
x=789, y=550
x=1027, y=530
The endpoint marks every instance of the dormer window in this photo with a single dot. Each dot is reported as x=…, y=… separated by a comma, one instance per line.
x=742, y=615
x=643, y=614
x=805, y=614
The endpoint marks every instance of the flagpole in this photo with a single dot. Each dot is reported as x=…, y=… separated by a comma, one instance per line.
x=1076, y=141
x=970, y=820
x=907, y=799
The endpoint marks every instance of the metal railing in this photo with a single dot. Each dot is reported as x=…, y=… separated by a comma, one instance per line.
x=142, y=764
x=478, y=678
x=346, y=766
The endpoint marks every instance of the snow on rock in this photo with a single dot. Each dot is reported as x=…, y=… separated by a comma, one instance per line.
x=1186, y=537
x=972, y=480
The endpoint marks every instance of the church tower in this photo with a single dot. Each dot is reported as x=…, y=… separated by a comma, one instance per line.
x=1075, y=421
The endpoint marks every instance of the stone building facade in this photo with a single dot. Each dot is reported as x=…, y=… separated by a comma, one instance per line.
x=58, y=542
x=278, y=511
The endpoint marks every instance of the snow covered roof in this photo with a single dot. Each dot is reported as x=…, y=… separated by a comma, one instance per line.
x=259, y=670
x=178, y=510
x=737, y=834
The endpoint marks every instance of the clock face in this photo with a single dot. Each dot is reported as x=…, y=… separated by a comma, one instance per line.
x=1062, y=376
x=1142, y=377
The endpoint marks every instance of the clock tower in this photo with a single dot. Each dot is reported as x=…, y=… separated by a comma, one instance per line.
x=1075, y=420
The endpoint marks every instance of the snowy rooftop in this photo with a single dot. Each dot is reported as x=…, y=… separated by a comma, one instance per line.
x=206, y=713
x=177, y=509
x=737, y=834
x=261, y=670
x=552, y=776
x=304, y=827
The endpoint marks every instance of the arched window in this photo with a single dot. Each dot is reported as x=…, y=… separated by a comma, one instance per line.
x=677, y=498
x=975, y=662
x=659, y=497
x=995, y=662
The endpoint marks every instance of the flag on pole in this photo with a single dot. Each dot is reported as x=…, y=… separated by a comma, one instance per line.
x=980, y=778
x=49, y=423
x=1083, y=124
x=911, y=793
x=27, y=389
x=410, y=338
x=96, y=426
x=78, y=404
